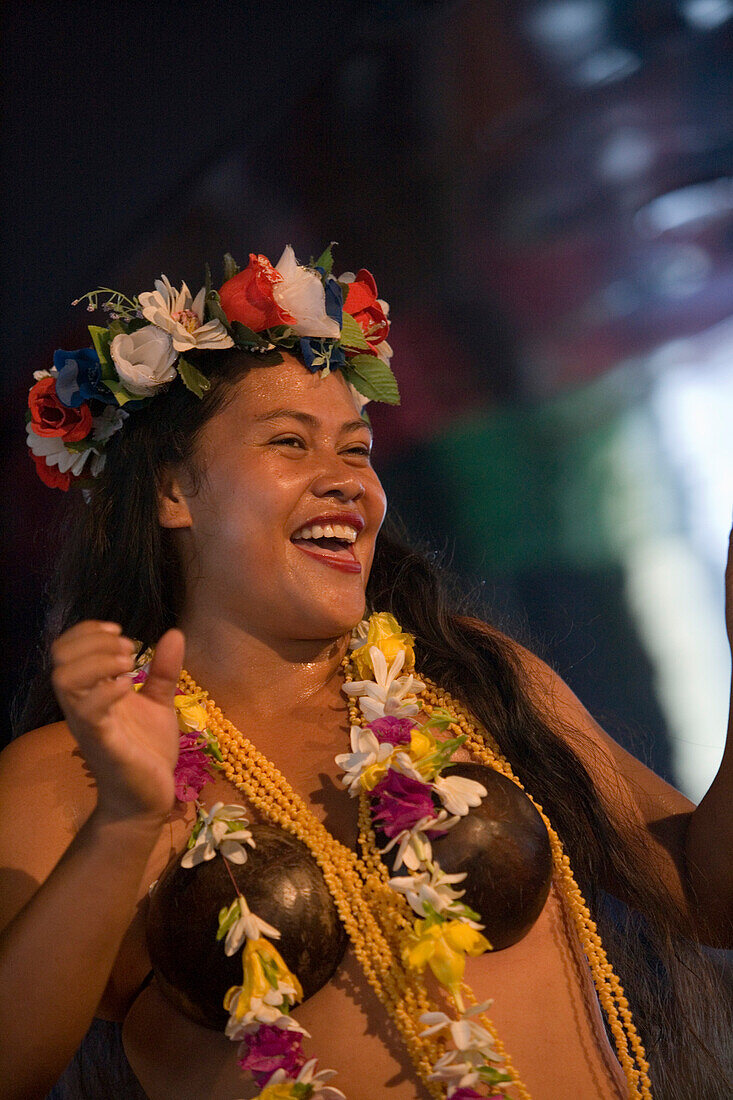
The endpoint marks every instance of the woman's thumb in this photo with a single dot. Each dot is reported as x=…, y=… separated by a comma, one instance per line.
x=165, y=667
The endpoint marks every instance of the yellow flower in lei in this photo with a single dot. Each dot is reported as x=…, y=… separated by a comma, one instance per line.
x=263, y=969
x=384, y=633
x=443, y=946
x=191, y=713
x=278, y=1092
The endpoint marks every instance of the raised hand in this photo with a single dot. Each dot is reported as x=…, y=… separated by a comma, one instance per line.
x=128, y=738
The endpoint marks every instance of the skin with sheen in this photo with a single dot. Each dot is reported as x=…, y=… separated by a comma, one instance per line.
x=268, y=610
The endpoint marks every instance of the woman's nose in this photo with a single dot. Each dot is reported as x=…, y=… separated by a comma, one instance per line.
x=343, y=485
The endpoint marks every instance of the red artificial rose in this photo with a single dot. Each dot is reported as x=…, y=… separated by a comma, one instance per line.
x=51, y=475
x=247, y=297
x=363, y=305
x=50, y=417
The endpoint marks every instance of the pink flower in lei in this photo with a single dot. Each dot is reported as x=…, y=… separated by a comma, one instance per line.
x=465, y=1093
x=271, y=1048
x=191, y=772
x=396, y=731
x=401, y=802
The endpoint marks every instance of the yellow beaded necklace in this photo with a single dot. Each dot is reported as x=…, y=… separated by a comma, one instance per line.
x=377, y=919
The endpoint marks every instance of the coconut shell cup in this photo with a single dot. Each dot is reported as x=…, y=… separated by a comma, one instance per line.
x=503, y=847
x=282, y=884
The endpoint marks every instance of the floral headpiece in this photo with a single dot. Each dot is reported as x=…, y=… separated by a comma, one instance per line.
x=332, y=323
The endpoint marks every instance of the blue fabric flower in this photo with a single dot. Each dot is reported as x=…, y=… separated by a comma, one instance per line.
x=334, y=300
x=319, y=353
x=80, y=378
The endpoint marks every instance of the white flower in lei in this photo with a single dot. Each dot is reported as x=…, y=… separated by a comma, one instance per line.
x=222, y=828
x=415, y=849
x=433, y=888
x=309, y=1077
x=301, y=293
x=458, y=794
x=181, y=316
x=366, y=751
x=389, y=693
x=242, y=924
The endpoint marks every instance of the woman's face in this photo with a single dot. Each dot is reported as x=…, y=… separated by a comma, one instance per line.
x=280, y=534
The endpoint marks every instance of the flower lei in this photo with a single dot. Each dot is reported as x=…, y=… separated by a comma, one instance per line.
x=76, y=407
x=395, y=767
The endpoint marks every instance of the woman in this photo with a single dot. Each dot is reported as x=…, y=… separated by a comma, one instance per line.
x=244, y=517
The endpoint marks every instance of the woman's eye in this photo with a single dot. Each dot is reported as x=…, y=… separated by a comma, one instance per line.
x=360, y=449
x=288, y=441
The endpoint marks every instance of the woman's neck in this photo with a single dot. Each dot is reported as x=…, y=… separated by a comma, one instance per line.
x=265, y=678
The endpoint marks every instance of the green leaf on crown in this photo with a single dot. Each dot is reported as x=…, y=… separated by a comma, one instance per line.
x=214, y=312
x=101, y=340
x=231, y=267
x=245, y=338
x=192, y=378
x=351, y=334
x=373, y=378
x=121, y=394
x=325, y=260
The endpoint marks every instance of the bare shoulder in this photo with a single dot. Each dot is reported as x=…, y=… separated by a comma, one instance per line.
x=47, y=794
x=46, y=764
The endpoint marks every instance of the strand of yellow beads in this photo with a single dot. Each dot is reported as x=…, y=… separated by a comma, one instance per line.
x=610, y=990
x=269, y=793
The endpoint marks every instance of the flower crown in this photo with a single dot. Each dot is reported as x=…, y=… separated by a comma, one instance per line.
x=332, y=323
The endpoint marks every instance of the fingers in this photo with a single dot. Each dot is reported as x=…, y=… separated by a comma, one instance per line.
x=88, y=653
x=165, y=668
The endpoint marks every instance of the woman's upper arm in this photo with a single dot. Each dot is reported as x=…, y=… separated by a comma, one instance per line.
x=46, y=795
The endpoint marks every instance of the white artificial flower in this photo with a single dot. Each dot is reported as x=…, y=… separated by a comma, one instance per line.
x=387, y=694
x=366, y=750
x=302, y=294
x=144, y=359
x=359, y=400
x=215, y=835
x=308, y=1076
x=384, y=351
x=458, y=794
x=247, y=926
x=415, y=849
x=237, y=1029
x=434, y=888
x=109, y=421
x=181, y=316
x=51, y=447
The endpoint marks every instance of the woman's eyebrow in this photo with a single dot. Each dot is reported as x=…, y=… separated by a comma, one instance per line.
x=309, y=420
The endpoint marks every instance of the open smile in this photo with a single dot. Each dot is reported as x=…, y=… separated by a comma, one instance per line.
x=330, y=539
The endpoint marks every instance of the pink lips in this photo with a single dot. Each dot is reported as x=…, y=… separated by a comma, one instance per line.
x=344, y=561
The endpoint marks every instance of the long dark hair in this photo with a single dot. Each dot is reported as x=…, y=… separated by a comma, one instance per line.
x=119, y=564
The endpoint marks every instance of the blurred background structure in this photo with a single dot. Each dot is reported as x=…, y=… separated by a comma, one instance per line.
x=544, y=190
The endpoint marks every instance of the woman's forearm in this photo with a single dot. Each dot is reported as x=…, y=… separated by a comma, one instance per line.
x=57, y=954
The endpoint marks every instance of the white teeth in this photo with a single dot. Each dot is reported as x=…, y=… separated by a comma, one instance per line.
x=328, y=531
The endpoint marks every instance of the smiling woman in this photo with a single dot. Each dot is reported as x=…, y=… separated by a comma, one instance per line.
x=189, y=844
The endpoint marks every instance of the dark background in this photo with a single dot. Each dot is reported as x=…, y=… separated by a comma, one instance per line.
x=499, y=166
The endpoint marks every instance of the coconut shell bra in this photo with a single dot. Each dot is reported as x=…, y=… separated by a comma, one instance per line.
x=502, y=845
